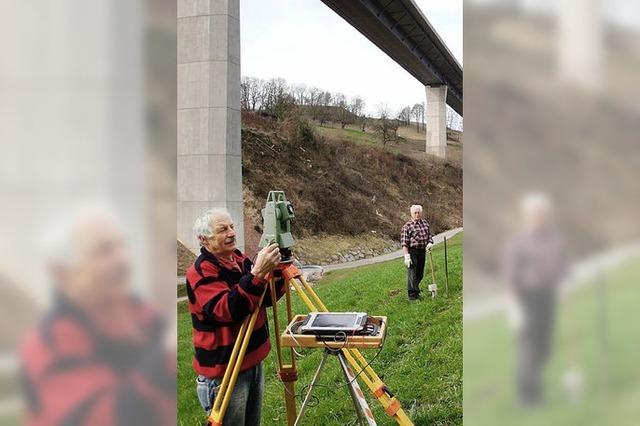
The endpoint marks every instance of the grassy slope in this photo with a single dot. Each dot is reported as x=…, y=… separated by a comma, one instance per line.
x=421, y=361
x=610, y=373
x=348, y=135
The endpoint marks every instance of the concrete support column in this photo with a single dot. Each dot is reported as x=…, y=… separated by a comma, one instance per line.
x=209, y=151
x=72, y=85
x=436, y=113
x=580, y=44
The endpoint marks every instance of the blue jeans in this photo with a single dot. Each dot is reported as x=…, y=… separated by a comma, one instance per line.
x=245, y=405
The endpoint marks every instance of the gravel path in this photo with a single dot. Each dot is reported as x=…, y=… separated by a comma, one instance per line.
x=389, y=256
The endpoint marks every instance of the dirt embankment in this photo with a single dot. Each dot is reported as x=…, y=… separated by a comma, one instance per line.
x=339, y=188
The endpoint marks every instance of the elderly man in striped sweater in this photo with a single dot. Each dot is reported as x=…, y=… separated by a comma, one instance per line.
x=224, y=287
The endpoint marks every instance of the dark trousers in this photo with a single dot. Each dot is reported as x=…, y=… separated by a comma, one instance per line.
x=416, y=271
x=534, y=343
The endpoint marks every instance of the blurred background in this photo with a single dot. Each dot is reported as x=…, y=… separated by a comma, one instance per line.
x=87, y=172
x=551, y=207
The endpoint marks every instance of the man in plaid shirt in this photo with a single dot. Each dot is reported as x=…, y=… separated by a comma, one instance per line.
x=415, y=239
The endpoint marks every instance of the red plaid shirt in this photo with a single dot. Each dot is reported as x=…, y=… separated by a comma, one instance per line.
x=416, y=234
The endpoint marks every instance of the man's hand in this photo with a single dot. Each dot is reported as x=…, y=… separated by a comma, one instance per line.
x=407, y=260
x=266, y=261
x=429, y=246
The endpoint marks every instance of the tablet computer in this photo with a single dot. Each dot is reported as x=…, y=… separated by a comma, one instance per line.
x=327, y=323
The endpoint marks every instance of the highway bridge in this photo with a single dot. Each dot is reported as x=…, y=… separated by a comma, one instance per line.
x=400, y=29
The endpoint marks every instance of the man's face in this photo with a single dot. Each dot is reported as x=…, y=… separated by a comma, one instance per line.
x=101, y=269
x=223, y=241
x=416, y=214
x=537, y=219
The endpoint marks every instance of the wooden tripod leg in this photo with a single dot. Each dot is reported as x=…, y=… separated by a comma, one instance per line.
x=232, y=360
x=359, y=402
x=314, y=295
x=230, y=377
x=287, y=373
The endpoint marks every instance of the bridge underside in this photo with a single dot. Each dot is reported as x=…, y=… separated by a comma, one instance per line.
x=399, y=28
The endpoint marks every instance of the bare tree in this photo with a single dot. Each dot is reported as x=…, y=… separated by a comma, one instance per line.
x=405, y=115
x=313, y=100
x=384, y=125
x=277, y=98
x=418, y=113
x=250, y=92
x=363, y=122
x=356, y=108
x=299, y=92
x=244, y=93
x=343, y=112
x=324, y=107
x=394, y=125
x=454, y=120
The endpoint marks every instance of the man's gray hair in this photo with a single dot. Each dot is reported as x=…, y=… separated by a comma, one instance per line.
x=416, y=208
x=57, y=242
x=202, y=225
x=534, y=202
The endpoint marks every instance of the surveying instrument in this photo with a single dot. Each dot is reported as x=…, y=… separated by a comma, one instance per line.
x=277, y=216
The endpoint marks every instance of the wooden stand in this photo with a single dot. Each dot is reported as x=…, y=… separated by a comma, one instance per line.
x=291, y=338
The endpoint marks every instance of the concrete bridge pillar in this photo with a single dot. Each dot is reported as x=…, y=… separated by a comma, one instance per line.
x=581, y=43
x=209, y=151
x=436, y=115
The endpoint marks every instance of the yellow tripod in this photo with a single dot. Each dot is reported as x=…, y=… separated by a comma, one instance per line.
x=287, y=372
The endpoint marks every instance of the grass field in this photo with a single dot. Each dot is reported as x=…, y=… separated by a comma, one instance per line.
x=410, y=143
x=421, y=361
x=595, y=333
x=348, y=134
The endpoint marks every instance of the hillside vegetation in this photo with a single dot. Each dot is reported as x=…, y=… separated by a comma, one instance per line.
x=339, y=187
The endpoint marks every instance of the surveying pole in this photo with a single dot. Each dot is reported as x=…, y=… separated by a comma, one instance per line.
x=446, y=268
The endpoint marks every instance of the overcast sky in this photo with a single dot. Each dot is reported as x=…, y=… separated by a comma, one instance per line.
x=303, y=41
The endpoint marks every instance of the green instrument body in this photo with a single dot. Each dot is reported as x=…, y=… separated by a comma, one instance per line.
x=277, y=215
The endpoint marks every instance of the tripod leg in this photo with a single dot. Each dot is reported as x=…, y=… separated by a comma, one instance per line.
x=287, y=373
x=224, y=385
x=233, y=368
x=316, y=376
x=313, y=294
x=360, y=404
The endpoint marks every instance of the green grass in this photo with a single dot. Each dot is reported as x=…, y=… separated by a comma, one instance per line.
x=401, y=145
x=181, y=290
x=604, y=351
x=421, y=361
x=349, y=135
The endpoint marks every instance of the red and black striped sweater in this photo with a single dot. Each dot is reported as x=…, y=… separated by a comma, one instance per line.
x=78, y=370
x=221, y=295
